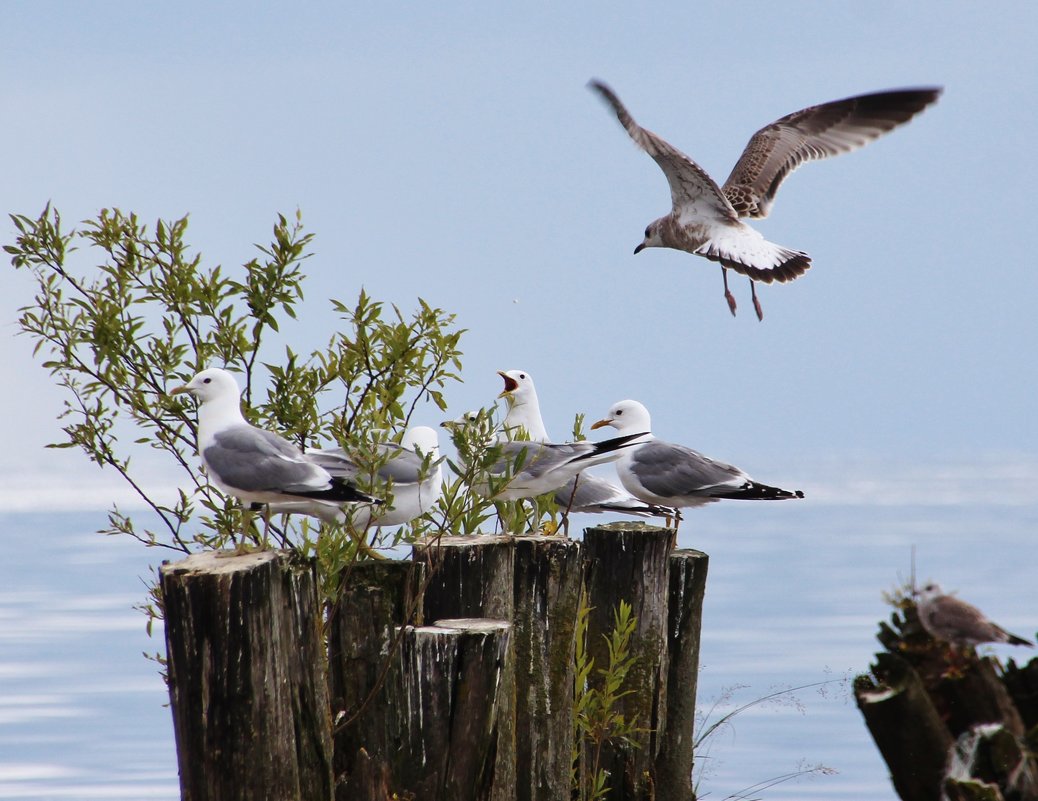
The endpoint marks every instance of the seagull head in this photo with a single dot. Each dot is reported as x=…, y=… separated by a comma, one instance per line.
x=422, y=440
x=211, y=384
x=652, y=237
x=463, y=421
x=930, y=591
x=626, y=416
x=518, y=386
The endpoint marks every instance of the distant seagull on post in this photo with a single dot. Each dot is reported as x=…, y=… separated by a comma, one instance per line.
x=705, y=218
x=673, y=475
x=954, y=621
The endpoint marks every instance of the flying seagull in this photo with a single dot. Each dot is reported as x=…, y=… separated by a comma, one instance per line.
x=582, y=493
x=414, y=484
x=673, y=475
x=952, y=620
x=254, y=465
x=528, y=469
x=705, y=218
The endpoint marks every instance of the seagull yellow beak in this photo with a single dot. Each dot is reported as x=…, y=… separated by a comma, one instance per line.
x=600, y=423
x=179, y=390
x=511, y=385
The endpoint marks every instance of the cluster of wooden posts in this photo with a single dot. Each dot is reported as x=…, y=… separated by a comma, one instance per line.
x=446, y=676
x=950, y=727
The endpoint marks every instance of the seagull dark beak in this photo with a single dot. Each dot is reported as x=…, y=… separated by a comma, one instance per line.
x=601, y=423
x=639, y=249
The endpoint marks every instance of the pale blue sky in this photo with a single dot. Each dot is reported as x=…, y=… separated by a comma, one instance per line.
x=453, y=151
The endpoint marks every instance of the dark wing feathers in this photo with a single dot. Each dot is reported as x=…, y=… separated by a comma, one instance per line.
x=688, y=181
x=814, y=133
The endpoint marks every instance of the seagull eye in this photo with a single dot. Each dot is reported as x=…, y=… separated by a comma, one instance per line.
x=648, y=232
x=207, y=380
x=522, y=376
x=619, y=412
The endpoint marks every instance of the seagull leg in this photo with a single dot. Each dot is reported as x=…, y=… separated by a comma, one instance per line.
x=266, y=528
x=756, y=303
x=727, y=294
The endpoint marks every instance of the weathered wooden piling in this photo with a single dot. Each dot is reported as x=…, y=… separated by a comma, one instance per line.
x=547, y=592
x=247, y=679
x=631, y=562
x=976, y=696
x=457, y=709
x=534, y=582
x=945, y=721
x=905, y=725
x=1022, y=683
x=375, y=599
x=450, y=678
x=674, y=757
x=474, y=577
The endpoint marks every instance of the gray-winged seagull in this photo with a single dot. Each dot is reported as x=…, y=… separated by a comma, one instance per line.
x=583, y=493
x=954, y=621
x=673, y=475
x=251, y=464
x=705, y=218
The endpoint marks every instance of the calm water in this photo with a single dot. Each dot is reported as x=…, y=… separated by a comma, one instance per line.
x=793, y=598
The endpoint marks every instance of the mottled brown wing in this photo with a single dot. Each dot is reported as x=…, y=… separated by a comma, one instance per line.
x=958, y=620
x=815, y=133
x=688, y=181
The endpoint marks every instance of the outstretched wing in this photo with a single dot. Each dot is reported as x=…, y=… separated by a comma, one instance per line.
x=812, y=133
x=689, y=182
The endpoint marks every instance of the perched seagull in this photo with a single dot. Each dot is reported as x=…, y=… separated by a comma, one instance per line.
x=705, y=218
x=673, y=475
x=947, y=618
x=415, y=490
x=254, y=465
x=583, y=493
x=539, y=467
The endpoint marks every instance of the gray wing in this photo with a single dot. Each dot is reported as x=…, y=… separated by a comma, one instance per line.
x=816, y=132
x=539, y=458
x=955, y=619
x=403, y=466
x=588, y=493
x=335, y=461
x=255, y=460
x=673, y=471
x=688, y=181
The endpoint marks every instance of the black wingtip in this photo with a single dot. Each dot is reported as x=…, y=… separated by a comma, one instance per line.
x=614, y=444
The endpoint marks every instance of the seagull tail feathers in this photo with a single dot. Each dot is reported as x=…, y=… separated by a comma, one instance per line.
x=752, y=491
x=1012, y=639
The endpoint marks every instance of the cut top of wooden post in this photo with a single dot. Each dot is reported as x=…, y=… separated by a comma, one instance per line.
x=214, y=563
